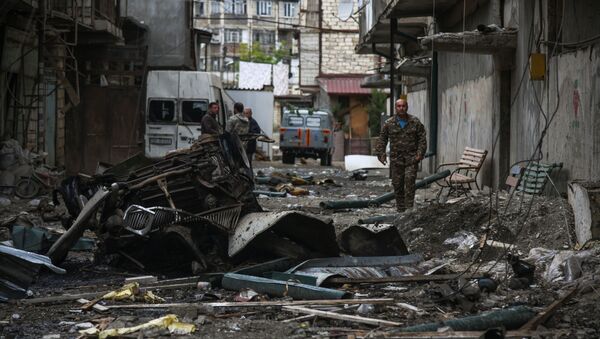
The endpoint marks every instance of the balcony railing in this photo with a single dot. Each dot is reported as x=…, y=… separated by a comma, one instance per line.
x=84, y=11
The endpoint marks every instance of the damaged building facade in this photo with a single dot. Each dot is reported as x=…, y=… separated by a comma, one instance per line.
x=43, y=72
x=516, y=78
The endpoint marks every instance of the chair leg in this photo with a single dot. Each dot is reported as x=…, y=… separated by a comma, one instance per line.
x=439, y=194
x=477, y=185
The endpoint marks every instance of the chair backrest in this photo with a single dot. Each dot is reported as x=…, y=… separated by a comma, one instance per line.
x=535, y=176
x=471, y=161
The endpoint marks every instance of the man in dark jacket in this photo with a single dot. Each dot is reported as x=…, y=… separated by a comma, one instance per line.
x=209, y=123
x=253, y=129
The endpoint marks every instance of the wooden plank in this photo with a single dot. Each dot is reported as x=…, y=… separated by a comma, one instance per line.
x=475, y=150
x=96, y=307
x=258, y=303
x=472, y=157
x=469, y=162
x=71, y=297
x=407, y=279
x=300, y=318
x=345, y=317
x=548, y=312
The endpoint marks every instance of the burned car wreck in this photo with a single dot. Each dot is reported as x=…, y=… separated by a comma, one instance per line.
x=195, y=206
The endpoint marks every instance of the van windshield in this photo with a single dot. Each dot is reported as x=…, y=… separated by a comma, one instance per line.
x=192, y=111
x=161, y=111
x=295, y=121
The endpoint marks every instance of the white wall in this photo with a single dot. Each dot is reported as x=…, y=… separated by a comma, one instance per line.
x=261, y=103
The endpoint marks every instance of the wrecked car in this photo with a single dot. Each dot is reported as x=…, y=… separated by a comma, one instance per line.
x=192, y=198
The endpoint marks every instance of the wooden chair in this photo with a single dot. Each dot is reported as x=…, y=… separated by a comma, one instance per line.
x=465, y=172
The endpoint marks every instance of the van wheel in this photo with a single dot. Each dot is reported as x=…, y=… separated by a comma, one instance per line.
x=287, y=158
x=324, y=157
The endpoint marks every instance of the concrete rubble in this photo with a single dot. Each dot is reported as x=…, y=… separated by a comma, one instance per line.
x=186, y=246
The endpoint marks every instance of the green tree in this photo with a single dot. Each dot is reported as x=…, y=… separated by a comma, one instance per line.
x=256, y=53
x=374, y=109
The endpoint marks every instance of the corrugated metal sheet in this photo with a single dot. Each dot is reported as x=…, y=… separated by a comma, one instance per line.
x=343, y=85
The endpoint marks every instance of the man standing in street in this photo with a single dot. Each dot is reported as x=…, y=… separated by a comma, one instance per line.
x=209, y=123
x=254, y=128
x=408, y=143
x=238, y=123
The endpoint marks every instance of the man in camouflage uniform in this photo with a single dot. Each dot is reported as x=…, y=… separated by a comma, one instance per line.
x=238, y=123
x=408, y=144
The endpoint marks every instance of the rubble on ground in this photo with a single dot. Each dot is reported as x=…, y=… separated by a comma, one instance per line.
x=488, y=265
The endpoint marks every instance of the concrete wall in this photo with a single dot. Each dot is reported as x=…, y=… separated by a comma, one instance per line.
x=468, y=100
x=569, y=97
x=170, y=35
x=418, y=105
x=309, y=58
x=339, y=57
x=338, y=47
x=262, y=106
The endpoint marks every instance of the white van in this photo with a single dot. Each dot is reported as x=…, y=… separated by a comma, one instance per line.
x=176, y=101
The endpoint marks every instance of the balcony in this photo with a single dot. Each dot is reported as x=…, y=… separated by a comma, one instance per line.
x=91, y=16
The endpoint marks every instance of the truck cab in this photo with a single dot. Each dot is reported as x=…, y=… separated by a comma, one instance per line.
x=176, y=102
x=306, y=133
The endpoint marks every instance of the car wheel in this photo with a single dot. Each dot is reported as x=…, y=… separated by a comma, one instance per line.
x=287, y=158
x=324, y=156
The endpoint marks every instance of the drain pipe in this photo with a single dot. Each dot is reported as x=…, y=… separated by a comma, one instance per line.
x=433, y=105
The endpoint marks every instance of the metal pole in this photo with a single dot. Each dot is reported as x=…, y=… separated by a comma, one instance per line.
x=392, y=59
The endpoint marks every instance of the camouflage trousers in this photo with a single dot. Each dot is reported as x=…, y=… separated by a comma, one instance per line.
x=403, y=180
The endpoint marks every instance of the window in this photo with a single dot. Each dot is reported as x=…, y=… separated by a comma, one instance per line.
x=313, y=122
x=289, y=9
x=264, y=7
x=215, y=7
x=233, y=36
x=265, y=37
x=193, y=111
x=215, y=65
x=234, y=7
x=199, y=8
x=295, y=121
x=161, y=111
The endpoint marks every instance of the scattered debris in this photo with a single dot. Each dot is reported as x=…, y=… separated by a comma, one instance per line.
x=169, y=322
x=18, y=269
x=511, y=318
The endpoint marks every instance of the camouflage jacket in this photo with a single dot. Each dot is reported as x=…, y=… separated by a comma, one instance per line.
x=210, y=125
x=238, y=124
x=405, y=143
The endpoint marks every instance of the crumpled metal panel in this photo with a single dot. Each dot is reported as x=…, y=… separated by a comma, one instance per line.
x=358, y=267
x=18, y=269
x=372, y=240
x=303, y=228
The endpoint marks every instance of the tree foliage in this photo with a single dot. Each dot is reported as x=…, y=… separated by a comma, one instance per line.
x=375, y=108
x=257, y=54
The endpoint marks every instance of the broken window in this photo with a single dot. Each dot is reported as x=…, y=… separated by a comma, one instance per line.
x=192, y=111
x=161, y=111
